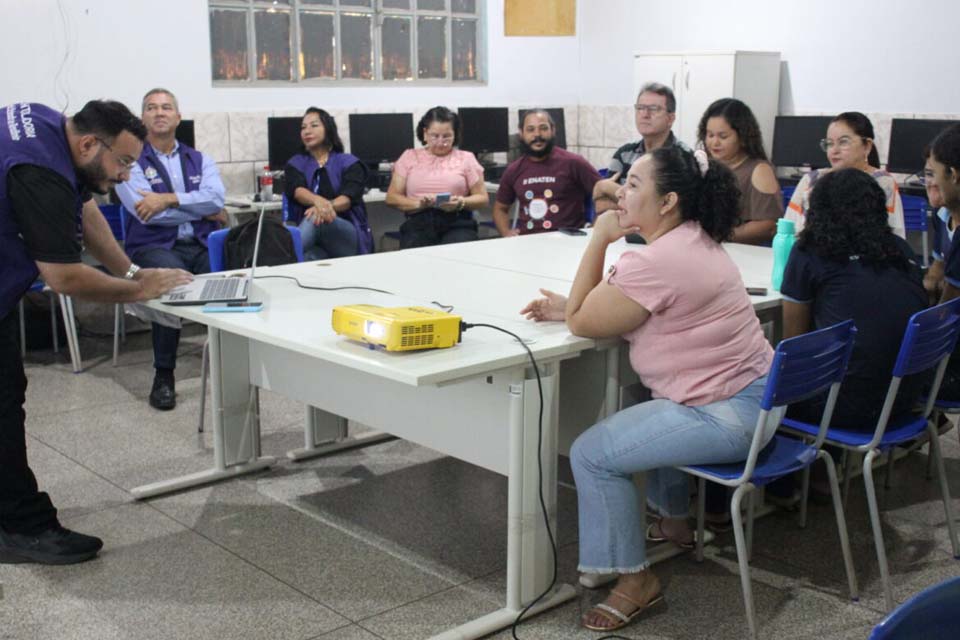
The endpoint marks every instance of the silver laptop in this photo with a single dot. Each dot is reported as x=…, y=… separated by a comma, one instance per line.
x=216, y=287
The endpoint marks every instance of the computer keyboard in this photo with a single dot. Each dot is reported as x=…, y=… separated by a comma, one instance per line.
x=220, y=288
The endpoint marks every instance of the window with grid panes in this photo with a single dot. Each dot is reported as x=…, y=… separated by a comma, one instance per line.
x=359, y=41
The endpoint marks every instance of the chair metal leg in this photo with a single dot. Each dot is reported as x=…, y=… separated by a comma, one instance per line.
x=737, y=519
x=804, y=495
x=701, y=508
x=841, y=524
x=23, y=330
x=70, y=324
x=53, y=322
x=116, y=332
x=944, y=489
x=930, y=460
x=204, y=373
x=877, y=531
x=751, y=501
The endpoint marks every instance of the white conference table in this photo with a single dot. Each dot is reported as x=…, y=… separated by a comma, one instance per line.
x=478, y=401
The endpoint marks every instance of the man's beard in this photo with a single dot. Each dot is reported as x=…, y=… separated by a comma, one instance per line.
x=93, y=176
x=542, y=153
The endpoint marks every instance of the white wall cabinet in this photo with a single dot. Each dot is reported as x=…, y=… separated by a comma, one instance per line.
x=699, y=78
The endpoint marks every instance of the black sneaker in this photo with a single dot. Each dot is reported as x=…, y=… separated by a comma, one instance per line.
x=53, y=546
x=163, y=395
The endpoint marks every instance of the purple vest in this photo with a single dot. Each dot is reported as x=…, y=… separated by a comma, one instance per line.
x=150, y=236
x=35, y=134
x=336, y=164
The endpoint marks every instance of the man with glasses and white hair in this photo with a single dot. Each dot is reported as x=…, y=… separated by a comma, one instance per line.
x=655, y=111
x=49, y=164
x=175, y=195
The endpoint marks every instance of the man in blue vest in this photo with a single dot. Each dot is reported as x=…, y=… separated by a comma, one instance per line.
x=176, y=195
x=49, y=164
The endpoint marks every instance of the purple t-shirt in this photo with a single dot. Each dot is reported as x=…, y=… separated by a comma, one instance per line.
x=551, y=192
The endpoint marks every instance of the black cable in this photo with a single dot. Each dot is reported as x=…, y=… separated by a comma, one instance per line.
x=315, y=288
x=543, y=504
x=446, y=307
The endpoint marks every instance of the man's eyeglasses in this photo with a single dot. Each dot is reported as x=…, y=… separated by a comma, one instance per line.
x=649, y=109
x=843, y=143
x=127, y=163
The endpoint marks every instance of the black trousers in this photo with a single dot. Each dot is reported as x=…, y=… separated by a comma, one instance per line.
x=435, y=226
x=23, y=507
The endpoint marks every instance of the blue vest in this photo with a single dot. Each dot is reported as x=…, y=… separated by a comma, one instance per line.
x=35, y=134
x=942, y=238
x=337, y=163
x=150, y=236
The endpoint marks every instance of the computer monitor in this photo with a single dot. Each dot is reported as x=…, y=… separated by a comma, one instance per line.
x=380, y=137
x=908, y=138
x=560, y=137
x=796, y=141
x=283, y=140
x=184, y=133
x=484, y=129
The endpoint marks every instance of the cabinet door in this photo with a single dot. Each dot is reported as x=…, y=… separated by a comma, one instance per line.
x=705, y=78
x=663, y=69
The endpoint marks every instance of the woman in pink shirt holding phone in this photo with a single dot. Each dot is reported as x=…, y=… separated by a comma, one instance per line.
x=437, y=187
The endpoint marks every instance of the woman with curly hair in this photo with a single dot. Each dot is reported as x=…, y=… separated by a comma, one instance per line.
x=850, y=144
x=730, y=134
x=845, y=260
x=694, y=341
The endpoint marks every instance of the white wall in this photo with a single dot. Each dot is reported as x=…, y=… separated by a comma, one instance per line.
x=119, y=49
x=871, y=56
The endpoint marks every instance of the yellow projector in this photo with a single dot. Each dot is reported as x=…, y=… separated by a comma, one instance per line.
x=397, y=328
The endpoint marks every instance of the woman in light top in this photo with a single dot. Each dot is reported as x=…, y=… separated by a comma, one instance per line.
x=439, y=186
x=850, y=144
x=729, y=132
x=695, y=342
x=324, y=189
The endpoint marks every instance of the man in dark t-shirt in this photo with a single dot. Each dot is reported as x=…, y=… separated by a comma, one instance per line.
x=549, y=184
x=48, y=165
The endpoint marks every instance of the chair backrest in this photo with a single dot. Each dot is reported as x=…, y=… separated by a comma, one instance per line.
x=116, y=216
x=932, y=613
x=914, y=212
x=589, y=208
x=787, y=194
x=217, y=240
x=802, y=367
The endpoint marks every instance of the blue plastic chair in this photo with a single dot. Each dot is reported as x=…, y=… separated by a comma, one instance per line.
x=802, y=367
x=787, y=194
x=928, y=341
x=116, y=217
x=932, y=614
x=215, y=249
x=216, y=240
x=915, y=219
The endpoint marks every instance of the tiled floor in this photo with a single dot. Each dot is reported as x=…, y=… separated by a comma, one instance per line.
x=391, y=541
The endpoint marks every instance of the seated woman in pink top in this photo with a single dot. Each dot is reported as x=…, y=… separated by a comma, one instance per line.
x=439, y=186
x=695, y=343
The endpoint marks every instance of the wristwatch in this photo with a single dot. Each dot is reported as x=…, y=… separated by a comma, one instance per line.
x=132, y=271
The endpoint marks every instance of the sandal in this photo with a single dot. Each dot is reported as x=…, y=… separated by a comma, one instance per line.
x=652, y=537
x=617, y=617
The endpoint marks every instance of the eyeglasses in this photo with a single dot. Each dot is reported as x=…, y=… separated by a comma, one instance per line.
x=649, y=109
x=842, y=143
x=439, y=136
x=127, y=164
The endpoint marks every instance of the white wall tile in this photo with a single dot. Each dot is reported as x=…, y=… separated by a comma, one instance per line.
x=571, y=120
x=598, y=156
x=619, y=126
x=212, y=133
x=590, y=126
x=248, y=135
x=238, y=178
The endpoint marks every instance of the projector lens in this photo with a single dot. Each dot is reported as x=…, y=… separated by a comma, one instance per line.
x=374, y=329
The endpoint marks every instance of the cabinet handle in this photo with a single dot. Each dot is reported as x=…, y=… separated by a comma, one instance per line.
x=673, y=81
x=687, y=81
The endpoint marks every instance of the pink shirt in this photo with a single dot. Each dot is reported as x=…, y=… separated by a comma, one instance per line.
x=427, y=174
x=702, y=342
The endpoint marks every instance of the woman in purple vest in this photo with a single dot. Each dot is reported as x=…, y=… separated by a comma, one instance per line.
x=325, y=192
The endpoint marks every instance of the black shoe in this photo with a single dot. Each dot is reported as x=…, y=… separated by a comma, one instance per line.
x=53, y=546
x=163, y=395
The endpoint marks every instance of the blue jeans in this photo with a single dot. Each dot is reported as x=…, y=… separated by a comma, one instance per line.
x=336, y=239
x=188, y=255
x=653, y=436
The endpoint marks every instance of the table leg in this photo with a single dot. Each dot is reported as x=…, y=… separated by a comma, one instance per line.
x=325, y=433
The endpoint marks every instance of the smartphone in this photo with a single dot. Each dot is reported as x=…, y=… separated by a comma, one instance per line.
x=232, y=307
x=635, y=238
x=442, y=198
x=757, y=291
x=572, y=232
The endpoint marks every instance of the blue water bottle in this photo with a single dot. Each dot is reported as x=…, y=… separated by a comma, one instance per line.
x=782, y=245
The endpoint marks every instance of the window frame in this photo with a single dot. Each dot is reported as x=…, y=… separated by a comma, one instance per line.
x=377, y=13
